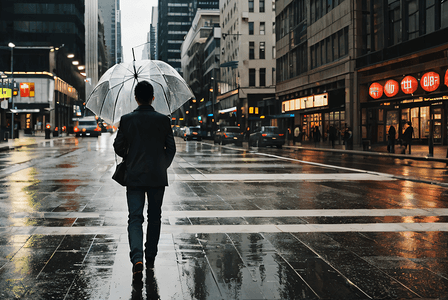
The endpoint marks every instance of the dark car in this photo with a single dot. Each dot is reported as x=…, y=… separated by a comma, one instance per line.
x=87, y=126
x=267, y=136
x=193, y=133
x=228, y=135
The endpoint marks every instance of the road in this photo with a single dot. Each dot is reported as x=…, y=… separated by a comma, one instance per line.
x=238, y=223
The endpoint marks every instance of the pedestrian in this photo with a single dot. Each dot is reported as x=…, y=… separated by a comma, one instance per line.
x=407, y=136
x=316, y=136
x=297, y=135
x=391, y=139
x=348, y=138
x=145, y=140
x=332, y=132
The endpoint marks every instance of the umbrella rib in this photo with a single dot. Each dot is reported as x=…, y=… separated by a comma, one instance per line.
x=164, y=77
x=115, y=104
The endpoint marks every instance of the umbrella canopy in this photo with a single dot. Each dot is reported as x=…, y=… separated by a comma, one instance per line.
x=113, y=96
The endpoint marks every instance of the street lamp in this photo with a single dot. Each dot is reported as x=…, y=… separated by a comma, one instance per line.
x=11, y=45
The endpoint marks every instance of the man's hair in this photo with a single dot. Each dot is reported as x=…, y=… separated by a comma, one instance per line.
x=144, y=92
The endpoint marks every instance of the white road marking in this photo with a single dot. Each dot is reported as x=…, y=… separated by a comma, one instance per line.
x=283, y=177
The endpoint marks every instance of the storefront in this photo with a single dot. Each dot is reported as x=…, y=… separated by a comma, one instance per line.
x=419, y=97
x=43, y=99
x=321, y=110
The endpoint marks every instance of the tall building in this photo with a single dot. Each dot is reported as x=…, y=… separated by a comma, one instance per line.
x=315, y=43
x=49, y=45
x=402, y=69
x=247, y=89
x=197, y=67
x=174, y=21
x=111, y=14
x=150, y=49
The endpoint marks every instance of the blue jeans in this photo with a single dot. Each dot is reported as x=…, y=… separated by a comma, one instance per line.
x=136, y=203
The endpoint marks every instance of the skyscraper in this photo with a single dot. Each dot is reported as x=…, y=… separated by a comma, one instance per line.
x=175, y=18
x=110, y=12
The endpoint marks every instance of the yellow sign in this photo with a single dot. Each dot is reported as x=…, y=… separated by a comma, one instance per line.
x=5, y=93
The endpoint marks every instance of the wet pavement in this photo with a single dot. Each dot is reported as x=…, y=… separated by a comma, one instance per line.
x=238, y=223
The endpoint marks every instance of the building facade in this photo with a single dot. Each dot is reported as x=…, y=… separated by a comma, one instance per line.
x=247, y=84
x=402, y=69
x=196, y=70
x=110, y=12
x=174, y=22
x=49, y=38
x=316, y=48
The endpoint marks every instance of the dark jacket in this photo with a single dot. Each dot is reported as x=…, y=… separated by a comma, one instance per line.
x=148, y=137
x=391, y=133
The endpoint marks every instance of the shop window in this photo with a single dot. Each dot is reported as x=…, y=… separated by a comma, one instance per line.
x=415, y=122
x=424, y=122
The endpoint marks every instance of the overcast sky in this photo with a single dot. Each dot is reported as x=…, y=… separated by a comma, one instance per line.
x=135, y=21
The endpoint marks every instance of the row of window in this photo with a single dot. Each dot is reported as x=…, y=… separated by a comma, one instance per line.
x=330, y=49
x=261, y=6
x=261, y=76
x=46, y=27
x=262, y=28
x=320, y=8
x=389, y=22
x=290, y=18
x=293, y=63
x=261, y=51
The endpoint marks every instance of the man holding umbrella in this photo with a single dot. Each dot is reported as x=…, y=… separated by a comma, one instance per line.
x=145, y=140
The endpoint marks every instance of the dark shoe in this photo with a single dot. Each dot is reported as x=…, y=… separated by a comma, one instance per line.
x=137, y=271
x=150, y=262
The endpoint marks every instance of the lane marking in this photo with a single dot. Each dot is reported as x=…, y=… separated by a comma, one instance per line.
x=396, y=212
x=290, y=228
x=284, y=177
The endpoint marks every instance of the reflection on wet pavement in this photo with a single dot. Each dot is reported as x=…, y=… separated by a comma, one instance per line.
x=273, y=229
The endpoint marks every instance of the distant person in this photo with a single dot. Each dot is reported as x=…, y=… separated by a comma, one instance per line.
x=332, y=133
x=348, y=138
x=297, y=135
x=407, y=136
x=316, y=136
x=391, y=139
x=146, y=141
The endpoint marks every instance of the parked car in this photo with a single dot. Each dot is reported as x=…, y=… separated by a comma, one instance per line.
x=228, y=135
x=267, y=136
x=193, y=133
x=87, y=126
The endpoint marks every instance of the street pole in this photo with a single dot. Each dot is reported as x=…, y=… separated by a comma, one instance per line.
x=11, y=45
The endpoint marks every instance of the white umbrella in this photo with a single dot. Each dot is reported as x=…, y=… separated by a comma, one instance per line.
x=113, y=96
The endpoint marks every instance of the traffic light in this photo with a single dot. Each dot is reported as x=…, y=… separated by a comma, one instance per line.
x=15, y=92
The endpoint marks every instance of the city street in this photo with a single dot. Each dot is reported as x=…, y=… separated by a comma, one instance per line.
x=238, y=223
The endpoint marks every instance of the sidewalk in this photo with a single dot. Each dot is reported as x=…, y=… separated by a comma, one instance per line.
x=419, y=152
x=28, y=139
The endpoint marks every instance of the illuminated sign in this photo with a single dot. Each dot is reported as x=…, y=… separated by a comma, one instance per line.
x=446, y=78
x=5, y=93
x=409, y=85
x=391, y=88
x=376, y=90
x=430, y=81
x=305, y=102
x=27, y=89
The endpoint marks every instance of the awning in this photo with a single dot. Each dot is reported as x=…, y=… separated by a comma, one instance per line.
x=227, y=110
x=18, y=111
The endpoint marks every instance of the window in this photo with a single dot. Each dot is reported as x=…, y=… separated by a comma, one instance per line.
x=261, y=2
x=251, y=50
x=251, y=77
x=262, y=77
x=251, y=28
x=262, y=28
x=413, y=19
x=262, y=50
x=273, y=52
x=430, y=16
x=394, y=23
x=251, y=5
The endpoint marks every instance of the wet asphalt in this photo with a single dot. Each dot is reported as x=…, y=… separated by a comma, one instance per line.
x=238, y=223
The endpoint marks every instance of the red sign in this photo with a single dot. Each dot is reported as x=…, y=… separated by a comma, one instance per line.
x=446, y=78
x=409, y=85
x=391, y=88
x=376, y=90
x=27, y=89
x=430, y=81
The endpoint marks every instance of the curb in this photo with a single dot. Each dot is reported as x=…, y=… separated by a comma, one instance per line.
x=370, y=153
